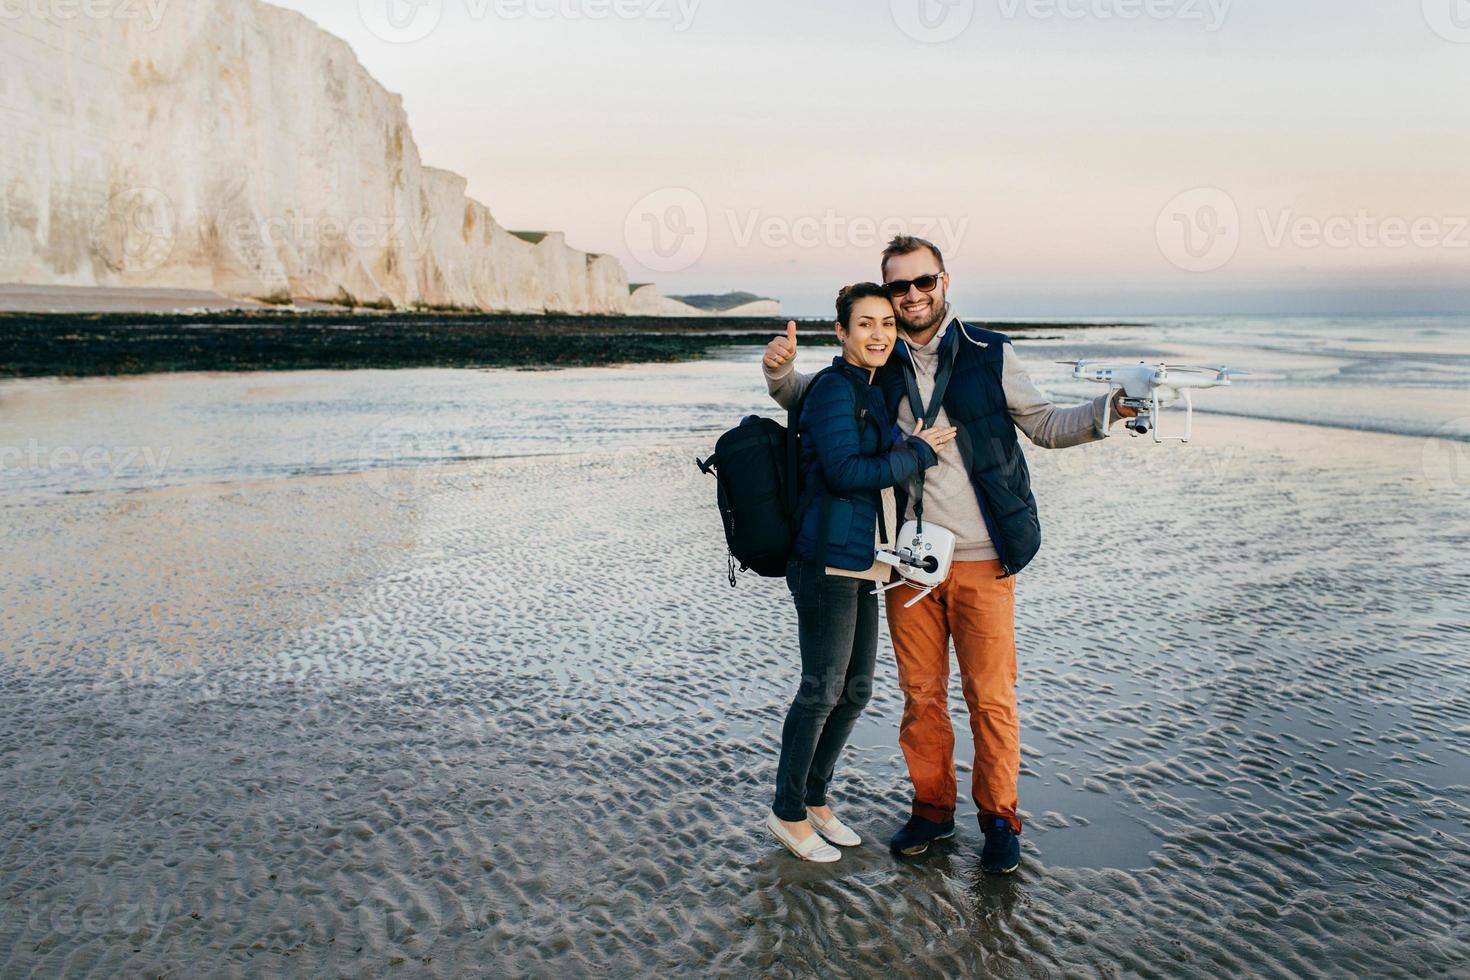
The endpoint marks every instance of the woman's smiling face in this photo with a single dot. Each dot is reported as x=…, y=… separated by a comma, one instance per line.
x=870, y=334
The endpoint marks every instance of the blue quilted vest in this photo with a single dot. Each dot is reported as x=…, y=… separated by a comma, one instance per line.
x=975, y=403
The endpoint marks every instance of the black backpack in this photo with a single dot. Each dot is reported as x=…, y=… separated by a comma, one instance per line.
x=757, y=470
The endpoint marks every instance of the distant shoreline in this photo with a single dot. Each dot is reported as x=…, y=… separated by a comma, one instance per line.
x=76, y=345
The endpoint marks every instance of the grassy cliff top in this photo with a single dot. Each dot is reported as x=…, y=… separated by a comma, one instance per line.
x=723, y=301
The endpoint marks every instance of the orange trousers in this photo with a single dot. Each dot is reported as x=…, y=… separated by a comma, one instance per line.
x=977, y=608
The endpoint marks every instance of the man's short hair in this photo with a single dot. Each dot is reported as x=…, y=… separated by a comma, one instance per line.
x=904, y=244
x=848, y=296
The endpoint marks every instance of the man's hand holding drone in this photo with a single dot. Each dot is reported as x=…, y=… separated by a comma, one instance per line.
x=1123, y=410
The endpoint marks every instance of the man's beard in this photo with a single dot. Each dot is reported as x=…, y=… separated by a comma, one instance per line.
x=937, y=314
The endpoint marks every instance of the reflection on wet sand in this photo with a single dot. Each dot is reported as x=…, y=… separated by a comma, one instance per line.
x=183, y=578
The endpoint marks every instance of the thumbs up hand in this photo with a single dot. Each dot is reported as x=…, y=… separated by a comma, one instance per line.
x=782, y=350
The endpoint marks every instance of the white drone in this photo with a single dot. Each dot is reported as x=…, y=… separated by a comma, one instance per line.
x=1148, y=387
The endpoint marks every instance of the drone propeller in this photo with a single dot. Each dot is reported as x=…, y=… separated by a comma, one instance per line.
x=1222, y=371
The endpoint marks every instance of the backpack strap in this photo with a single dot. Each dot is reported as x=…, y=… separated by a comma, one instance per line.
x=793, y=455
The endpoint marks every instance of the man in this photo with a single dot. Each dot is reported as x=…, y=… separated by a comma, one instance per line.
x=983, y=495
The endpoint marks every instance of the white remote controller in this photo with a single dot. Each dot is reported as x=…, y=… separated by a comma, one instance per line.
x=923, y=558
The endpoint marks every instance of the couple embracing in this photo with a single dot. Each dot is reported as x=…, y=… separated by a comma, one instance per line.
x=873, y=439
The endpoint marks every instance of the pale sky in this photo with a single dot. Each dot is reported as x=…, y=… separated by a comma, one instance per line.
x=1322, y=147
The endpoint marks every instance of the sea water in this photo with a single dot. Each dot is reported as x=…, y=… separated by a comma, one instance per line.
x=1408, y=376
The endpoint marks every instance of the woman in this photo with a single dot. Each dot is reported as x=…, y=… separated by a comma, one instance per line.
x=851, y=458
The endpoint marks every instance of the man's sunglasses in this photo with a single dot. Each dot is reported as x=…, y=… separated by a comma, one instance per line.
x=900, y=287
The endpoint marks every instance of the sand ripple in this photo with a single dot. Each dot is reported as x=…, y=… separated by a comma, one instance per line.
x=513, y=722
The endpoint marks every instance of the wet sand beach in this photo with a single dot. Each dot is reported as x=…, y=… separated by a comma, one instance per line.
x=505, y=716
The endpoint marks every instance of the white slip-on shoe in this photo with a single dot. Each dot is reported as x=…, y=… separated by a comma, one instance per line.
x=811, y=849
x=834, y=830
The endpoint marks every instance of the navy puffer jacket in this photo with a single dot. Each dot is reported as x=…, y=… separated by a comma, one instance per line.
x=846, y=463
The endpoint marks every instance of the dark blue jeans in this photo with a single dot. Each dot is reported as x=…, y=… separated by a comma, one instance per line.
x=837, y=621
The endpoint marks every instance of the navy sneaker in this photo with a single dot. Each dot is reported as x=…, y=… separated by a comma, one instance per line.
x=1002, y=853
x=918, y=834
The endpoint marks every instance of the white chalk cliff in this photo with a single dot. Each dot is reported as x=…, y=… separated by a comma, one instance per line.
x=235, y=147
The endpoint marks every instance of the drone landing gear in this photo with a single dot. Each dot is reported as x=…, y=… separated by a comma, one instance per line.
x=923, y=591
